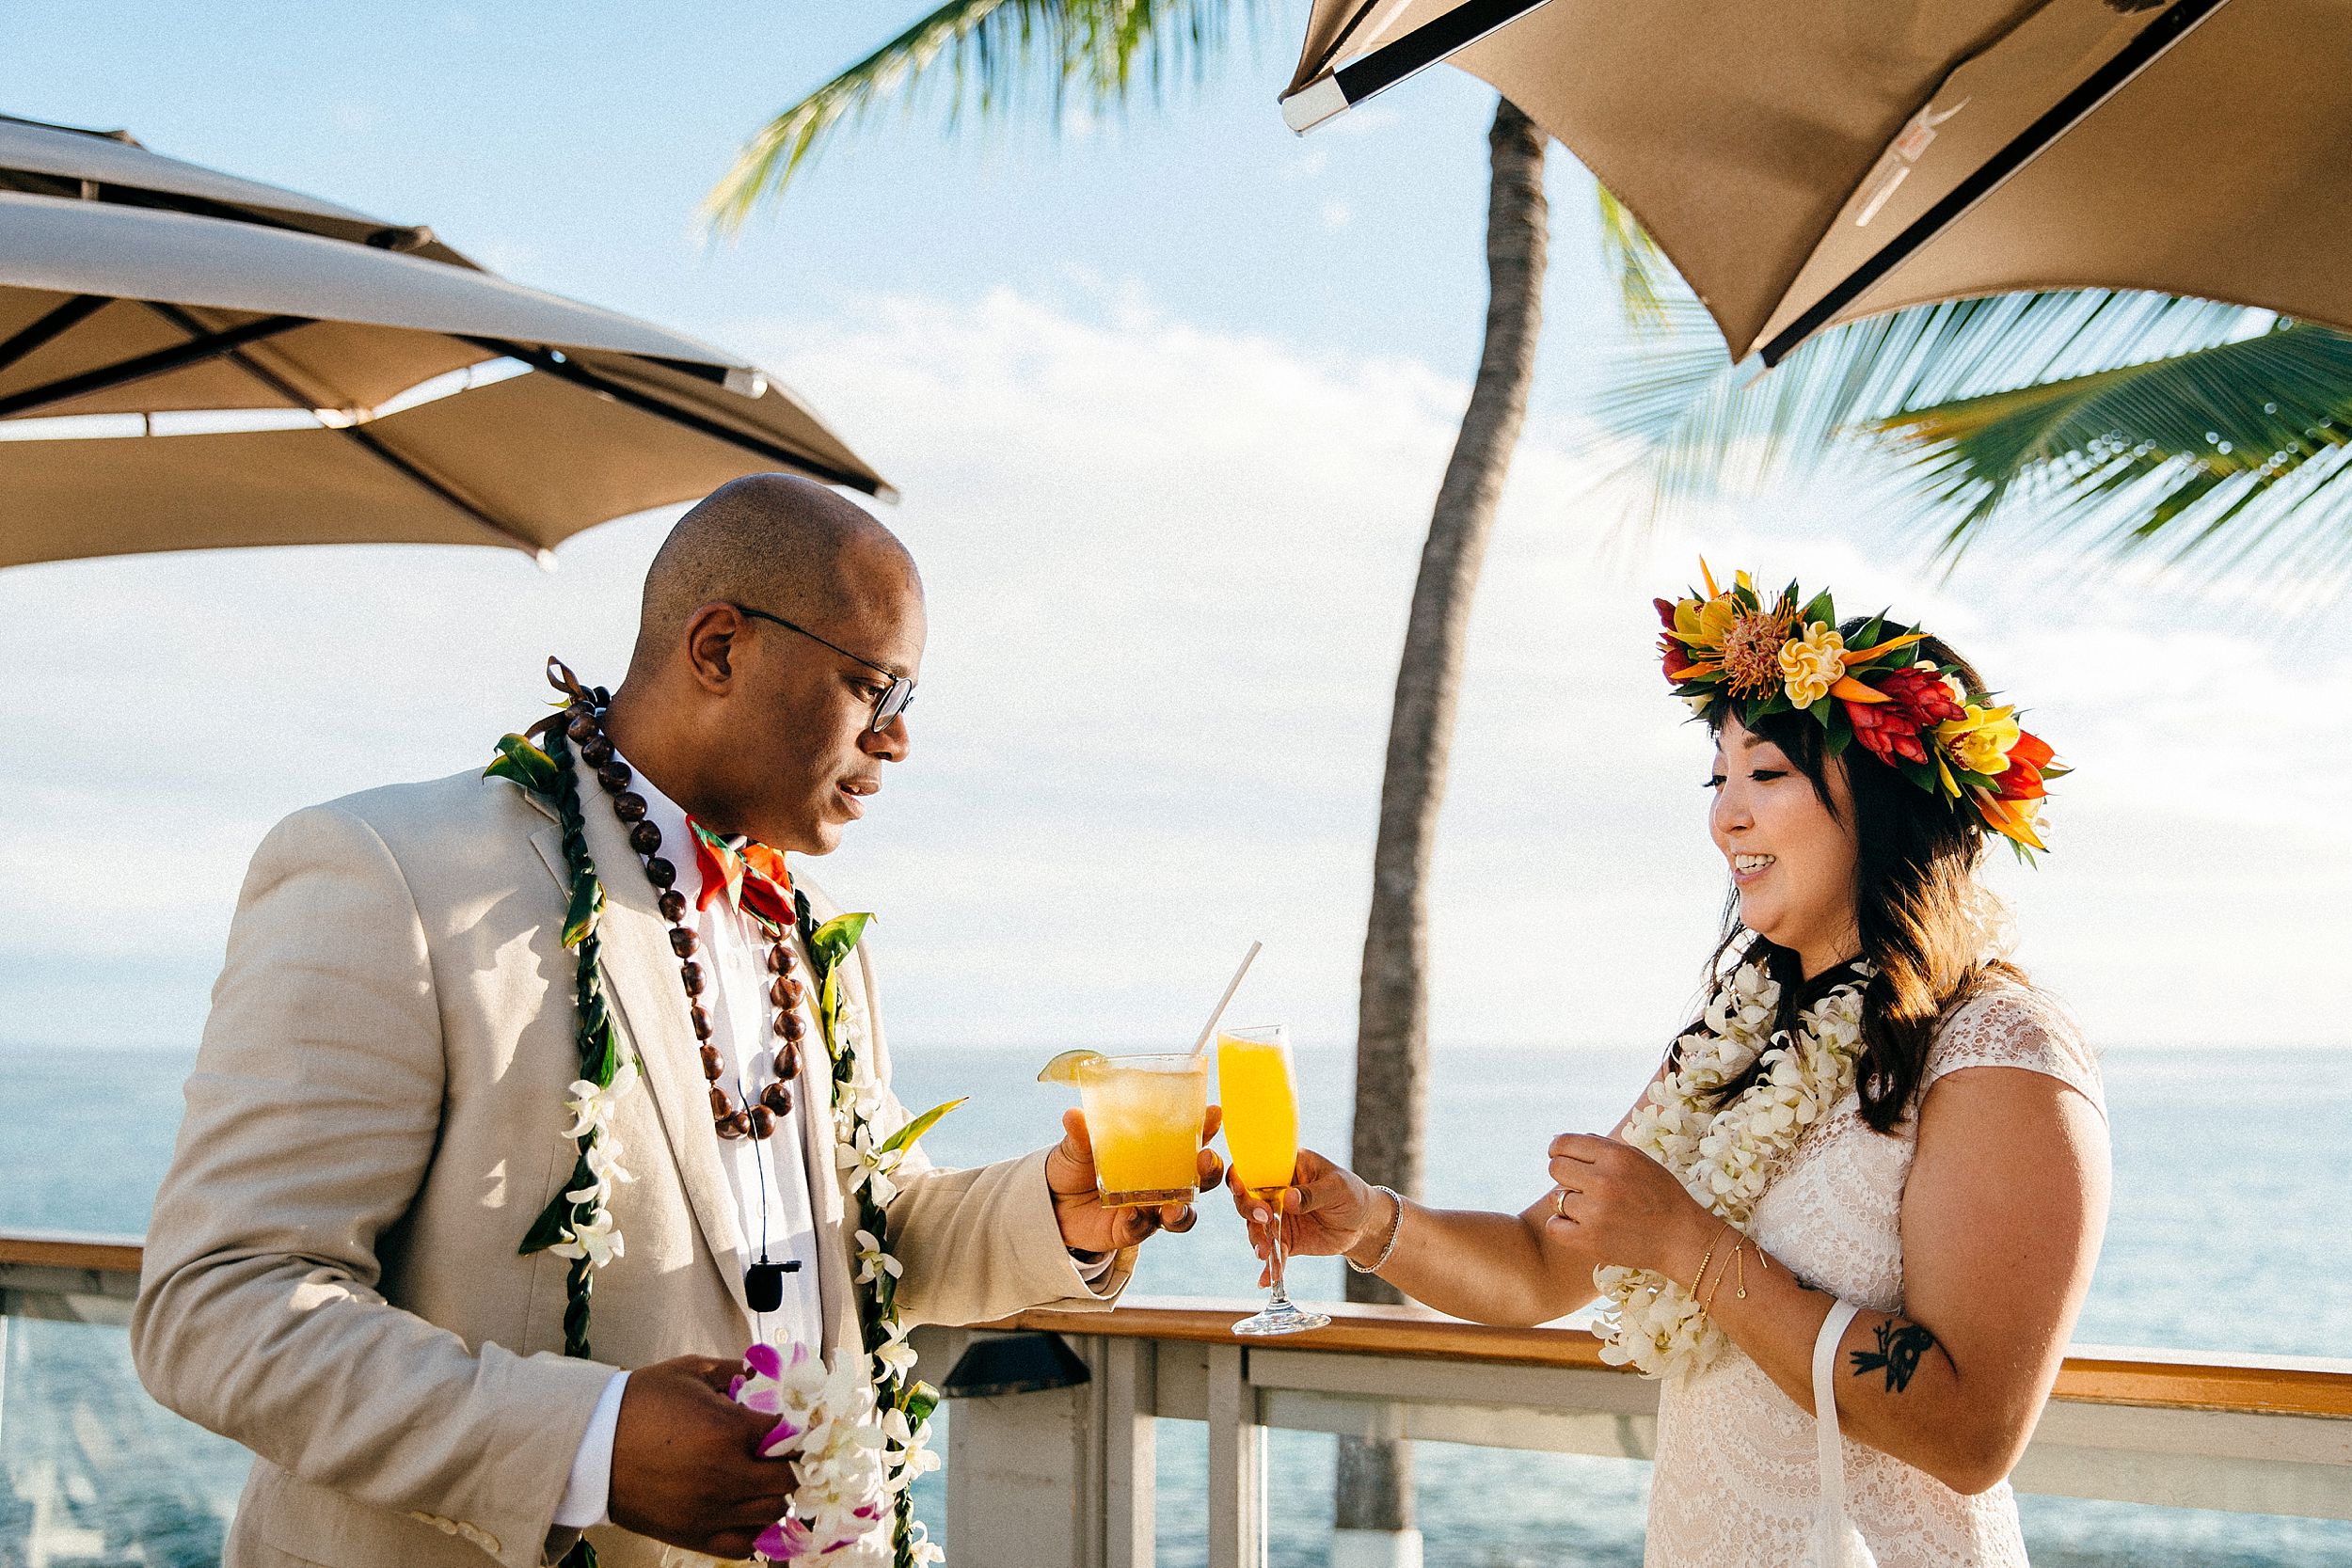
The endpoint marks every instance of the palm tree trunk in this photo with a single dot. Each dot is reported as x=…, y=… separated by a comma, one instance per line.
x=1375, y=1488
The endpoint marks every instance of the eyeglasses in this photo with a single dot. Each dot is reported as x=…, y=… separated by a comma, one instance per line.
x=892, y=703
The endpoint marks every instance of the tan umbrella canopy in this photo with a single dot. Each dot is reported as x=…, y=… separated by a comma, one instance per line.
x=111, y=165
x=429, y=402
x=1809, y=161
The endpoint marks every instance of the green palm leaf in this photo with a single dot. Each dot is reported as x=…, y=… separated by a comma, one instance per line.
x=1645, y=279
x=989, y=55
x=2252, y=435
x=2140, y=421
x=1698, y=425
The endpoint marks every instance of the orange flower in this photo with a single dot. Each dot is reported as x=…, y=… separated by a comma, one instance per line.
x=2022, y=780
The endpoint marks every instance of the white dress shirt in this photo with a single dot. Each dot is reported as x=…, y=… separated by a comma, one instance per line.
x=770, y=1182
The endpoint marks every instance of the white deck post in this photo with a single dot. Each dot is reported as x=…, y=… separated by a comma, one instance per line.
x=1237, y=1474
x=1022, y=1488
x=1125, y=1373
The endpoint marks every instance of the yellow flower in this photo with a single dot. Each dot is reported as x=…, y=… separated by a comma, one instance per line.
x=1980, y=741
x=1702, y=624
x=1811, y=664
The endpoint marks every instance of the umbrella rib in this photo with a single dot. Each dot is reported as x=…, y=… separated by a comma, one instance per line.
x=1347, y=29
x=367, y=440
x=384, y=452
x=565, y=367
x=65, y=318
x=2086, y=95
x=212, y=346
x=1448, y=33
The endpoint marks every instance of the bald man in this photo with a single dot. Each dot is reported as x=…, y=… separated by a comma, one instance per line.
x=334, y=1273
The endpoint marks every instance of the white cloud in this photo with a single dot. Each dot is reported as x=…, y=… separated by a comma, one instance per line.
x=1168, y=572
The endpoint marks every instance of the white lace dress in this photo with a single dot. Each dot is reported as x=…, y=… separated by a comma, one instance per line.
x=1735, y=1480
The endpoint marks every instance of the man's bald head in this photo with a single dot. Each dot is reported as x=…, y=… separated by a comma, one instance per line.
x=774, y=731
x=773, y=542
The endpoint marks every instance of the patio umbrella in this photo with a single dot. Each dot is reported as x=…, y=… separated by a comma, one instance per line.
x=177, y=378
x=111, y=165
x=1808, y=161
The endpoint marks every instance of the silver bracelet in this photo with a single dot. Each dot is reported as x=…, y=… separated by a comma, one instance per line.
x=1387, y=1247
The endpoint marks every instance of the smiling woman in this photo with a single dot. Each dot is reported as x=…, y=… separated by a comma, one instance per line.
x=1909, y=1137
x=1832, y=856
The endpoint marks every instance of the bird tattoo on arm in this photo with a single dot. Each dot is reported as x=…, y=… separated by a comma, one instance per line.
x=1901, y=1346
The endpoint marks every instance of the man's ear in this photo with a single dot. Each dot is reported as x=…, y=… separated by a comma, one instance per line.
x=710, y=634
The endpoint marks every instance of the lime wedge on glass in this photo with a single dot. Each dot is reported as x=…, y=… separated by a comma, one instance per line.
x=1064, y=1068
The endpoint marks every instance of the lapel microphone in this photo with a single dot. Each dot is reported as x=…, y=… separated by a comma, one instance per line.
x=763, y=1282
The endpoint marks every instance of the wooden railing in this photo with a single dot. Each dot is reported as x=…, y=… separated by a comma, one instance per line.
x=2093, y=1374
x=1063, y=1478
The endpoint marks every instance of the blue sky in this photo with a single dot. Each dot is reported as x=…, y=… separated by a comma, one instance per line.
x=1167, y=397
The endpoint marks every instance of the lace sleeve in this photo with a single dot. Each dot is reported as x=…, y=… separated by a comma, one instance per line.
x=2007, y=1025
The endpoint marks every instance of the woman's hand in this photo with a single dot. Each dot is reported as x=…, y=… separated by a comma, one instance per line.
x=1617, y=1204
x=1326, y=1208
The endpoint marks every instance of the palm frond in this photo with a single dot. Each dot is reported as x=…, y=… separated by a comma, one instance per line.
x=1645, y=278
x=990, y=57
x=2212, y=452
x=1699, y=426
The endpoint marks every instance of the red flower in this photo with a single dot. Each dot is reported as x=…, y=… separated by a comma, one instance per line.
x=2027, y=759
x=1887, y=731
x=1915, y=699
x=1922, y=693
x=1672, y=656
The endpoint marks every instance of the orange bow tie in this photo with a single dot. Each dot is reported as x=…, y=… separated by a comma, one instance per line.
x=749, y=875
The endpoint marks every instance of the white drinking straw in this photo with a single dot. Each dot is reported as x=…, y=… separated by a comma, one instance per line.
x=1208, y=1031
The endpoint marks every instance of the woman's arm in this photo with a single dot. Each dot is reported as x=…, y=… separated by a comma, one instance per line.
x=1465, y=1262
x=1468, y=1263
x=2002, y=1215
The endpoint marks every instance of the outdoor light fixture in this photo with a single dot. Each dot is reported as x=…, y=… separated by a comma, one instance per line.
x=1028, y=1362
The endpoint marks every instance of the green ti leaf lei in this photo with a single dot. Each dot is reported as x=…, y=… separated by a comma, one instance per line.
x=551, y=775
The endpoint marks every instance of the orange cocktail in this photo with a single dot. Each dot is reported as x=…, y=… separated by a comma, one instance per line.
x=1259, y=1092
x=1144, y=1116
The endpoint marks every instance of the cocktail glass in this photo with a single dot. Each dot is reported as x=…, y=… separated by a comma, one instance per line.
x=1144, y=1116
x=1259, y=1089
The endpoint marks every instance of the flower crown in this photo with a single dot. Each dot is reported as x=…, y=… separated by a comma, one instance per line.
x=1766, y=657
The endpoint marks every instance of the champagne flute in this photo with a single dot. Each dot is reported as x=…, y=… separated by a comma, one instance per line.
x=1259, y=1090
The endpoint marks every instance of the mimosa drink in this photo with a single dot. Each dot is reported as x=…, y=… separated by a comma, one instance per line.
x=1254, y=1085
x=1144, y=1115
x=1260, y=1093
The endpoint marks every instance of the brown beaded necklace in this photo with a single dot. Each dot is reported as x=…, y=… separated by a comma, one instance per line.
x=585, y=727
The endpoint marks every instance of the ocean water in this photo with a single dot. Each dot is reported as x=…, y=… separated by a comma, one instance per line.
x=2226, y=1235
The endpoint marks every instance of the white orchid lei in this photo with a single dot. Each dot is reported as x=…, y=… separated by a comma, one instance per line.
x=857, y=1465
x=850, y=1467
x=1726, y=1158
x=863, y=1441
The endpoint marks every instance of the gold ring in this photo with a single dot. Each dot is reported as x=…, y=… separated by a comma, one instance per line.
x=1559, y=1203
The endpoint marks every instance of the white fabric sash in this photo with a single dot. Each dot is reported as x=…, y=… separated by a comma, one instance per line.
x=1836, y=1542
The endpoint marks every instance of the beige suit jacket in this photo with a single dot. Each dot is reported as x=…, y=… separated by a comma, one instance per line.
x=375, y=1119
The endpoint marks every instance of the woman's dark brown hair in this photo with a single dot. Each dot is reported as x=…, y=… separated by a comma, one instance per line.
x=1917, y=906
